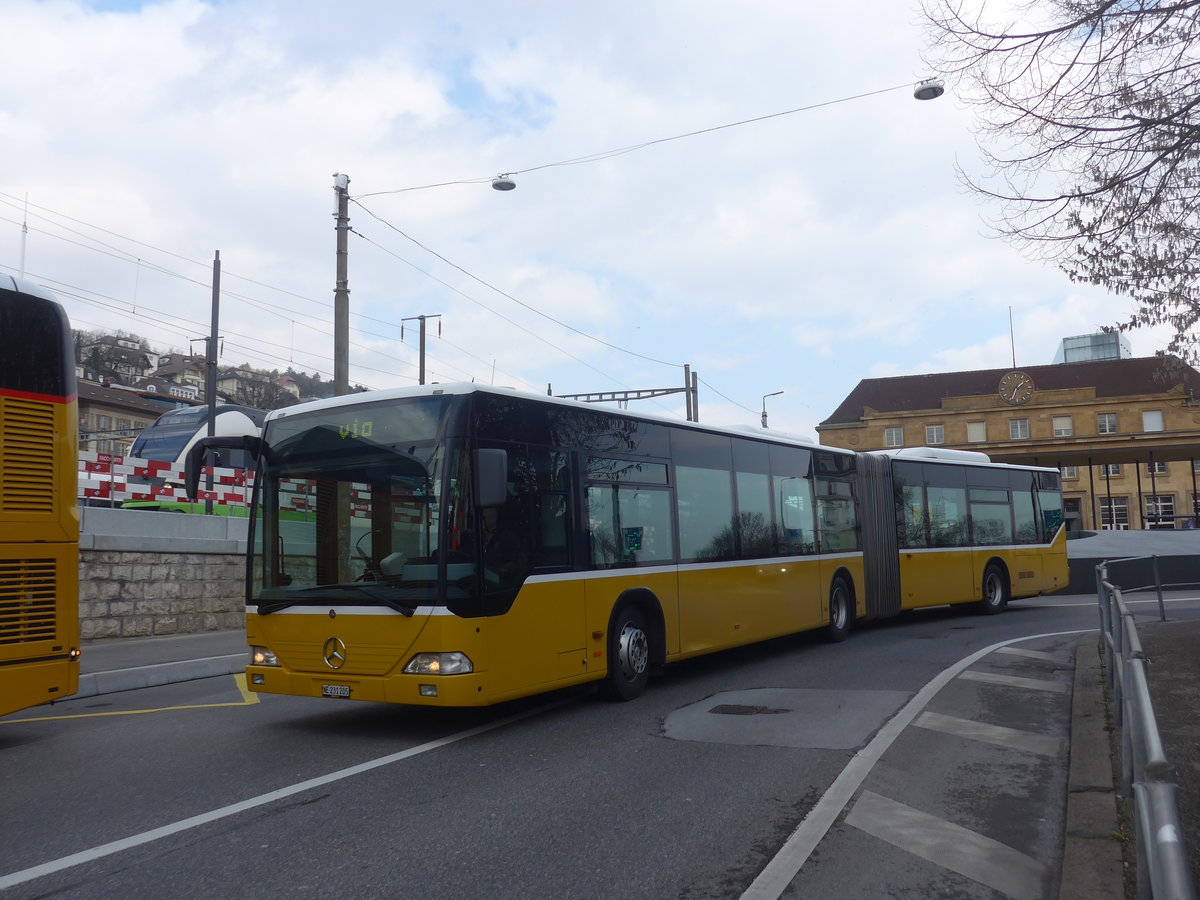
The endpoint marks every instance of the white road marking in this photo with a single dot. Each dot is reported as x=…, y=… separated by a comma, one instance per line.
x=950, y=846
x=773, y=880
x=86, y=856
x=1029, y=684
x=1034, y=654
x=1041, y=744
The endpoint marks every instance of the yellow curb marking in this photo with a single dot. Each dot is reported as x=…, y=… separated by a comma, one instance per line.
x=248, y=698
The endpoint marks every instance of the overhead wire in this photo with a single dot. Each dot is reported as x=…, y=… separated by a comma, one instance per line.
x=451, y=287
x=263, y=305
x=620, y=151
x=509, y=296
x=579, y=160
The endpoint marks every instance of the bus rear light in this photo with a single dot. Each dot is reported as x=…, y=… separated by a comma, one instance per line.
x=439, y=664
x=75, y=654
x=261, y=656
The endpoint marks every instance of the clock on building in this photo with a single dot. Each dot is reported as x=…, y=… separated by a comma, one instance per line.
x=1016, y=388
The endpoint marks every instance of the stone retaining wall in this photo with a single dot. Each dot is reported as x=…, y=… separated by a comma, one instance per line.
x=126, y=594
x=153, y=573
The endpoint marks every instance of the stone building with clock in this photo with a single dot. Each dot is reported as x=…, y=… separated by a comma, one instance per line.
x=1124, y=432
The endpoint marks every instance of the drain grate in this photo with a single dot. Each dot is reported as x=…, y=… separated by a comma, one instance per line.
x=737, y=709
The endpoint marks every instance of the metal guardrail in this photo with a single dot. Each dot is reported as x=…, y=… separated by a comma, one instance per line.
x=1157, y=584
x=1162, y=865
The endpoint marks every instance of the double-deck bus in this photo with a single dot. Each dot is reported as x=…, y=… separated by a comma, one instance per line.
x=39, y=519
x=465, y=545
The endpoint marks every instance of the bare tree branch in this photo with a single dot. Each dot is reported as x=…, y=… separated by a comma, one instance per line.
x=1089, y=127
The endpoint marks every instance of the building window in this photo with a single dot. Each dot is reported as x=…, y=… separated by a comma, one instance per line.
x=1070, y=471
x=1110, y=470
x=1156, y=468
x=1152, y=420
x=1114, y=513
x=935, y=434
x=976, y=432
x=1160, y=512
x=1106, y=423
x=1062, y=426
x=1018, y=429
x=893, y=436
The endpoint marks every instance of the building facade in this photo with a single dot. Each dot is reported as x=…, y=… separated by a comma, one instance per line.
x=1124, y=432
x=110, y=419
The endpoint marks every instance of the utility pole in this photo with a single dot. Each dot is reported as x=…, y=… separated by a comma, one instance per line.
x=421, y=356
x=210, y=383
x=341, y=293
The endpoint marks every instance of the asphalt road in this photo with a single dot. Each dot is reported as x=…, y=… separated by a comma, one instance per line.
x=693, y=791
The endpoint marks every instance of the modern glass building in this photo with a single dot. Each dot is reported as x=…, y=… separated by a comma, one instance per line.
x=1092, y=347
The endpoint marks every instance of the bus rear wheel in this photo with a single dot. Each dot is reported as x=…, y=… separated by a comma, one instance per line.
x=628, y=655
x=995, y=591
x=841, y=611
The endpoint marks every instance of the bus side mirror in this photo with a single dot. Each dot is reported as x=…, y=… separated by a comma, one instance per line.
x=198, y=450
x=491, y=478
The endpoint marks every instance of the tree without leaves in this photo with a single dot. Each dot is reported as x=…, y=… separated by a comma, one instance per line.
x=1097, y=106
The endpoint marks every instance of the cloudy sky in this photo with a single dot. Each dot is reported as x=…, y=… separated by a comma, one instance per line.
x=799, y=253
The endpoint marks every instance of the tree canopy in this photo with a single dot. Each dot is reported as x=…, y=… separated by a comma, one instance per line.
x=1089, y=116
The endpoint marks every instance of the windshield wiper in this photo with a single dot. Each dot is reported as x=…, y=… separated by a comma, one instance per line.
x=300, y=596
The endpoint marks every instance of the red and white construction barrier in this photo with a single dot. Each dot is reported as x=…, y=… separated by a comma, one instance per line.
x=103, y=476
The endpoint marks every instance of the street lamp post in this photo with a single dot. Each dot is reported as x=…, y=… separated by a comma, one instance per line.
x=341, y=294
x=764, y=411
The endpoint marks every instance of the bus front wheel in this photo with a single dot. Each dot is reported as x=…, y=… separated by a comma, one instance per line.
x=628, y=655
x=841, y=611
x=995, y=591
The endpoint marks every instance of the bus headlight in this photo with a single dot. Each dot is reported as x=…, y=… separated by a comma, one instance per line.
x=439, y=664
x=261, y=656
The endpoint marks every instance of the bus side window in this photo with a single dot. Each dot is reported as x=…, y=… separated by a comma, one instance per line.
x=795, y=511
x=628, y=525
x=551, y=549
x=836, y=516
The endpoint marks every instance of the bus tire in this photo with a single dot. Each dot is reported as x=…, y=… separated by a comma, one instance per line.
x=628, y=654
x=995, y=591
x=841, y=611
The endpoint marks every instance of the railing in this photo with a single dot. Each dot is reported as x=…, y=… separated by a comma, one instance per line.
x=1162, y=866
x=1157, y=583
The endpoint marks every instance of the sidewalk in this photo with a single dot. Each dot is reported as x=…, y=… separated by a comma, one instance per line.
x=126, y=664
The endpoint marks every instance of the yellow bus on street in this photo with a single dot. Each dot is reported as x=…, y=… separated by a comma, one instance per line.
x=465, y=545
x=39, y=519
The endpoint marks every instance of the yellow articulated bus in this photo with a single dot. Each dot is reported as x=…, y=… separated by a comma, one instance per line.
x=39, y=519
x=463, y=545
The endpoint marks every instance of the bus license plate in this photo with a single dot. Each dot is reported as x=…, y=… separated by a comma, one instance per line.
x=335, y=690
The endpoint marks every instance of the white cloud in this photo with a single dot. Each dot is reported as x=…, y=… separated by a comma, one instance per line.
x=804, y=251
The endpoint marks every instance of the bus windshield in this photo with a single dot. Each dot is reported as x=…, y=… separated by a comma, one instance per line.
x=354, y=506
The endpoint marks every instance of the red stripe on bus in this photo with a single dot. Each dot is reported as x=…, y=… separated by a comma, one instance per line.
x=44, y=398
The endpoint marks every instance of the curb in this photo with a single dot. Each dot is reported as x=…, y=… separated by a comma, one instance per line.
x=116, y=680
x=1093, y=868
